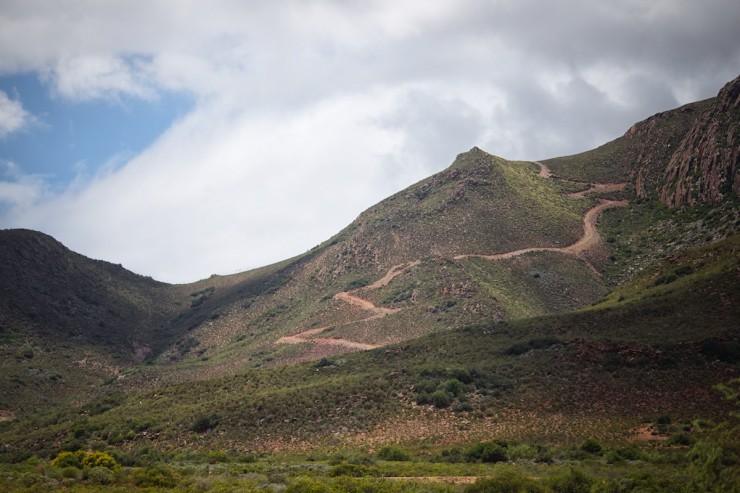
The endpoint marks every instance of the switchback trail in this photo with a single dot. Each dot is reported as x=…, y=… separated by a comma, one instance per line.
x=351, y=298
x=589, y=239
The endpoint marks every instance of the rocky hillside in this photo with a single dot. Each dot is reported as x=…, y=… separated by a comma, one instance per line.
x=704, y=168
x=684, y=156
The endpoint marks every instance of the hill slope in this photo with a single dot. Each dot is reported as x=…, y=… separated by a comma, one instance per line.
x=552, y=301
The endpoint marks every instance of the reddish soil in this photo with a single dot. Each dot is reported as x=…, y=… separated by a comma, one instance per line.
x=647, y=433
x=544, y=170
x=352, y=299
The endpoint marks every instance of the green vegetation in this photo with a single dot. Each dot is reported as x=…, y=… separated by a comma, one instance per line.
x=544, y=372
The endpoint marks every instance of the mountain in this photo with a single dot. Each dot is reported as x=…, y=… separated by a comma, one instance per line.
x=545, y=302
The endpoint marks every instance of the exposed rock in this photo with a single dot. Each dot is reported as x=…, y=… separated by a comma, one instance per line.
x=704, y=168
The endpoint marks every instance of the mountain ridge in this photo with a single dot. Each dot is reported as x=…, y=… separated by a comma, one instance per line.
x=546, y=302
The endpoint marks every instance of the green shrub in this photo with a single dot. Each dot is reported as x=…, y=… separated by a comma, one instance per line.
x=666, y=279
x=453, y=386
x=217, y=456
x=70, y=472
x=99, y=475
x=308, y=485
x=440, y=399
x=486, y=452
x=517, y=349
x=591, y=446
x=157, y=476
x=505, y=482
x=392, y=453
x=357, y=284
x=571, y=481
x=67, y=459
x=204, y=423
x=680, y=439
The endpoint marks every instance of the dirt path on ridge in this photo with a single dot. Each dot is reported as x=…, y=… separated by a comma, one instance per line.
x=588, y=240
x=351, y=298
x=598, y=188
x=544, y=170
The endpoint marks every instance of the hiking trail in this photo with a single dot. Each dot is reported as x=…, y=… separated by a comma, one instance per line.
x=588, y=240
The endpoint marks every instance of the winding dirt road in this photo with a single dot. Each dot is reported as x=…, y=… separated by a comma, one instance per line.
x=544, y=170
x=352, y=299
x=589, y=240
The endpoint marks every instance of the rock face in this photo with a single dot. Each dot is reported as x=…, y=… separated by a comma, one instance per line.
x=705, y=166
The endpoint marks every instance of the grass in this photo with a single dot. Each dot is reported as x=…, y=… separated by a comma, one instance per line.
x=661, y=469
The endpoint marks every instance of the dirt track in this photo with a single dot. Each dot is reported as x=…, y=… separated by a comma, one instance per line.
x=544, y=170
x=589, y=239
x=352, y=299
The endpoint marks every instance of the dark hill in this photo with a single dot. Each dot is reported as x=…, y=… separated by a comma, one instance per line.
x=52, y=292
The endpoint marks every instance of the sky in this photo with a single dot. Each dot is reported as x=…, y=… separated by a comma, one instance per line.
x=185, y=138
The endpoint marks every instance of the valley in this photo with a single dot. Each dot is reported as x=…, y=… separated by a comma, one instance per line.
x=532, y=325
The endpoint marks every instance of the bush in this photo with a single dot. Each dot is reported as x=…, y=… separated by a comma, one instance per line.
x=97, y=459
x=204, y=423
x=440, y=399
x=67, y=459
x=158, y=476
x=591, y=446
x=308, y=485
x=680, y=439
x=82, y=459
x=217, y=456
x=453, y=386
x=517, y=349
x=71, y=472
x=572, y=481
x=100, y=475
x=392, y=453
x=357, y=284
x=486, y=452
x=506, y=482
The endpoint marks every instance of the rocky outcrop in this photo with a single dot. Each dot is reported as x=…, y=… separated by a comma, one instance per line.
x=704, y=168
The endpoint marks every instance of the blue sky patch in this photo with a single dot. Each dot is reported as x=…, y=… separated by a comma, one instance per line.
x=69, y=137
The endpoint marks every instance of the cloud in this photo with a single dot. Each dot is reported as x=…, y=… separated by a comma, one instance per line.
x=13, y=117
x=18, y=191
x=84, y=78
x=307, y=112
x=219, y=192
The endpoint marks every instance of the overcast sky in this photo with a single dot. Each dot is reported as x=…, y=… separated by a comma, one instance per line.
x=185, y=138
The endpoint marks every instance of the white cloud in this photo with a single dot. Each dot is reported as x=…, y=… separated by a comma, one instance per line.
x=221, y=192
x=18, y=191
x=13, y=117
x=94, y=77
x=307, y=112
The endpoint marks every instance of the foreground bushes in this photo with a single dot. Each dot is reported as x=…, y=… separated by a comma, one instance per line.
x=84, y=459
